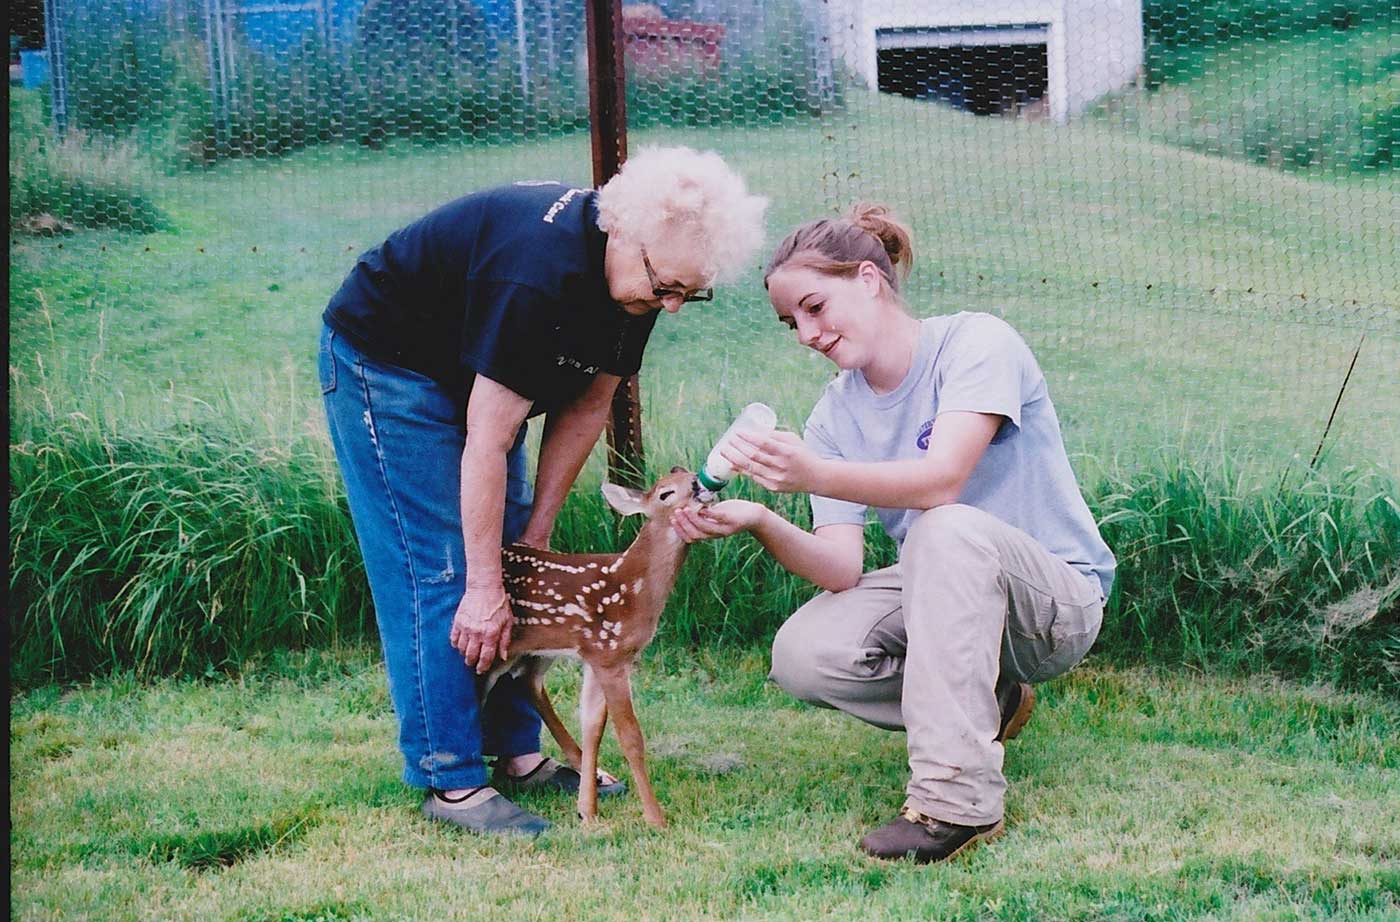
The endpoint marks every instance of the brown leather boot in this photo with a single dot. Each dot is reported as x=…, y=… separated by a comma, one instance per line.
x=923, y=839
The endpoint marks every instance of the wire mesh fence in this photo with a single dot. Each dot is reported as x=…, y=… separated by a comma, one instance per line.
x=1189, y=210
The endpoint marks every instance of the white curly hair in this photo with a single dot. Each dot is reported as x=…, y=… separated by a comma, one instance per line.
x=664, y=191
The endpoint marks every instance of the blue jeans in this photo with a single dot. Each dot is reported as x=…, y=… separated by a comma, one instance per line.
x=398, y=437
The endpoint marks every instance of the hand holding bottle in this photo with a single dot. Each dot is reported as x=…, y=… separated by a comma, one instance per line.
x=777, y=461
x=756, y=419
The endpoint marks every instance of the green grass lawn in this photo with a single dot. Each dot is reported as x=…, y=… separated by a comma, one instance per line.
x=1134, y=795
x=1173, y=298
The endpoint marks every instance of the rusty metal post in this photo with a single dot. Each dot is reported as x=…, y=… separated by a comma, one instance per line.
x=607, y=110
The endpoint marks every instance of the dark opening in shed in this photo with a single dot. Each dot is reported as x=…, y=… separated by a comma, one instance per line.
x=985, y=79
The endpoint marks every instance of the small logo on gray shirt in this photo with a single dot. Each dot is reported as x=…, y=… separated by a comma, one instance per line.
x=924, y=432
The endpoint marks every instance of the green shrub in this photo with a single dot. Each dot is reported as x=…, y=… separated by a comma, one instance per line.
x=411, y=70
x=79, y=180
x=1378, y=107
x=122, y=63
x=1174, y=25
x=1329, y=101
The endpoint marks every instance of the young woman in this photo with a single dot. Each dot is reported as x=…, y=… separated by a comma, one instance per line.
x=523, y=300
x=945, y=427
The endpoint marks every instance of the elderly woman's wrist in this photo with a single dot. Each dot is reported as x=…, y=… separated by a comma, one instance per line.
x=484, y=577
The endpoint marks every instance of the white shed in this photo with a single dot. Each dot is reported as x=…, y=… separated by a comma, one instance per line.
x=983, y=53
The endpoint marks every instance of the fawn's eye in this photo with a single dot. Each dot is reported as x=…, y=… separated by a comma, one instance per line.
x=666, y=494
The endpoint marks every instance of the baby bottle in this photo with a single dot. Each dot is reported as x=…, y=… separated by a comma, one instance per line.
x=757, y=419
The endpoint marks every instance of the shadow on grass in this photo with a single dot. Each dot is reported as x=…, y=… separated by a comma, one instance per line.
x=223, y=848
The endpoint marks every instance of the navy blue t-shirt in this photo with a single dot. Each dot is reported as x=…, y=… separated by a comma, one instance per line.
x=507, y=283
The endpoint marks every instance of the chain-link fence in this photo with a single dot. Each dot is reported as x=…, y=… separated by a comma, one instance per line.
x=1188, y=209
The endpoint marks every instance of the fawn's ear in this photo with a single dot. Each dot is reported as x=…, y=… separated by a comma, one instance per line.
x=625, y=501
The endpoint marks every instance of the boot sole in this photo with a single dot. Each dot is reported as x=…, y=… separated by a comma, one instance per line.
x=924, y=858
x=1022, y=716
x=994, y=833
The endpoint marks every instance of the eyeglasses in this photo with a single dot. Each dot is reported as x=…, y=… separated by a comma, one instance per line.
x=699, y=294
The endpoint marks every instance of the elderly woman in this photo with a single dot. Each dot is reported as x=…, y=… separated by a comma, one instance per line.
x=519, y=301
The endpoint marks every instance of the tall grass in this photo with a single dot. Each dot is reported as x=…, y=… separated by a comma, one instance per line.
x=203, y=545
x=1218, y=569
x=187, y=550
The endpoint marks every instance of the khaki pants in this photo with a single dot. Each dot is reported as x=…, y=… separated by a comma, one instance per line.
x=973, y=606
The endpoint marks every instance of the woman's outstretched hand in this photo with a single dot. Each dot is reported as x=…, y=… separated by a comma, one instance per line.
x=779, y=461
x=481, y=628
x=718, y=521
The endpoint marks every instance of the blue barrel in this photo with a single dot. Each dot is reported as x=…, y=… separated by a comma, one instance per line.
x=34, y=68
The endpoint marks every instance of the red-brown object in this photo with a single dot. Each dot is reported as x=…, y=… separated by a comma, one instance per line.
x=607, y=88
x=659, y=47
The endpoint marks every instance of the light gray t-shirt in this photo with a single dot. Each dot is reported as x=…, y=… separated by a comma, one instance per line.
x=970, y=362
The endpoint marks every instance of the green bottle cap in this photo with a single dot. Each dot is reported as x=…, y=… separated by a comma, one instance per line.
x=709, y=483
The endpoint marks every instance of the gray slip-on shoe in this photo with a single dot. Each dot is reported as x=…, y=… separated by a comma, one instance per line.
x=553, y=775
x=484, y=811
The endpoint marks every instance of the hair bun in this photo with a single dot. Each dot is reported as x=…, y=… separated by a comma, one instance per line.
x=892, y=233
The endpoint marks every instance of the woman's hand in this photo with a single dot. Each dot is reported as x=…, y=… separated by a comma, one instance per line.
x=718, y=521
x=778, y=461
x=481, y=628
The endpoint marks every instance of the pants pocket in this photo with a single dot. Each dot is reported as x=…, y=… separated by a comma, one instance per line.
x=1075, y=629
x=325, y=361
x=1028, y=640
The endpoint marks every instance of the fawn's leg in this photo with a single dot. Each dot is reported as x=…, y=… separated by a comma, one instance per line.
x=593, y=716
x=617, y=689
x=539, y=697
